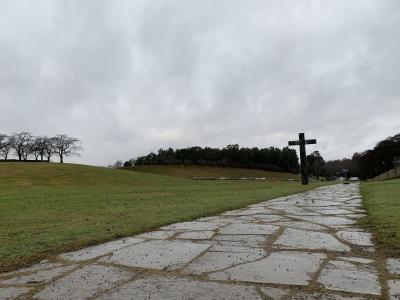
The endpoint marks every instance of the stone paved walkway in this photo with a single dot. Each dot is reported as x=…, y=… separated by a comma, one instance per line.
x=304, y=246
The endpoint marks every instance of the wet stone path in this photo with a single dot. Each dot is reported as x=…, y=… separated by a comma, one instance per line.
x=304, y=246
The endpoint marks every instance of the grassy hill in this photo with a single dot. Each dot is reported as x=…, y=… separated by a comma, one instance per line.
x=204, y=171
x=48, y=208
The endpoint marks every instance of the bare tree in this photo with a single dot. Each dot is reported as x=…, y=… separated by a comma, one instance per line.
x=66, y=146
x=36, y=148
x=21, y=144
x=40, y=146
x=49, y=148
x=5, y=145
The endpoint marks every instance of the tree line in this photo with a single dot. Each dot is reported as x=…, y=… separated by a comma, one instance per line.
x=371, y=162
x=24, y=145
x=364, y=165
x=271, y=158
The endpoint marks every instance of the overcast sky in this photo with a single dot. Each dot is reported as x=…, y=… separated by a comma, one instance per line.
x=130, y=77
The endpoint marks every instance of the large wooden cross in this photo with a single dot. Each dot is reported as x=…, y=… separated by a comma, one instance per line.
x=302, y=142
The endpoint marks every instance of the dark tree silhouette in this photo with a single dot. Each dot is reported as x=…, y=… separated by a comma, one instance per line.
x=25, y=145
x=5, y=145
x=315, y=164
x=36, y=148
x=371, y=162
x=49, y=148
x=41, y=146
x=66, y=146
x=21, y=144
x=231, y=156
x=379, y=159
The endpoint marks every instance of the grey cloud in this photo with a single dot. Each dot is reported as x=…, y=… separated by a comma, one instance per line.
x=129, y=77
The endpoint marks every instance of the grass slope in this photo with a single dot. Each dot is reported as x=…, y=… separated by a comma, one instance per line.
x=46, y=208
x=204, y=171
x=382, y=202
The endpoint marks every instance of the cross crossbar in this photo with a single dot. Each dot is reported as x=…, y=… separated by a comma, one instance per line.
x=307, y=142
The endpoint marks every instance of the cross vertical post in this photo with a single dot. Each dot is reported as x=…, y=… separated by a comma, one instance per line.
x=303, y=163
x=302, y=142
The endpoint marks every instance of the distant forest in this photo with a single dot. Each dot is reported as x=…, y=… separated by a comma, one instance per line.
x=271, y=158
x=369, y=163
x=365, y=165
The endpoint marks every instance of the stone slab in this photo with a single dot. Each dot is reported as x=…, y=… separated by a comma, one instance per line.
x=216, y=219
x=196, y=235
x=193, y=226
x=240, y=220
x=249, y=229
x=84, y=283
x=356, y=216
x=394, y=289
x=298, y=211
x=157, y=254
x=349, y=277
x=244, y=219
x=393, y=266
x=322, y=296
x=327, y=220
x=157, y=235
x=302, y=239
x=356, y=238
x=236, y=249
x=239, y=243
x=245, y=239
x=268, y=218
x=38, y=276
x=360, y=260
x=334, y=211
x=214, y=261
x=100, y=250
x=176, y=288
x=248, y=212
x=44, y=264
x=350, y=228
x=301, y=225
x=7, y=293
x=274, y=293
x=284, y=267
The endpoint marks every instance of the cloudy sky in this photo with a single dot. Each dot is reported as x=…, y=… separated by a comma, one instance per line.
x=129, y=77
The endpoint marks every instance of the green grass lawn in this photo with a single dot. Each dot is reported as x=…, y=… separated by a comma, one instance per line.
x=382, y=202
x=46, y=208
x=205, y=171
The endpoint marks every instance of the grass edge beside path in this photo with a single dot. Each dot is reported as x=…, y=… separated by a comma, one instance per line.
x=381, y=200
x=47, y=209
